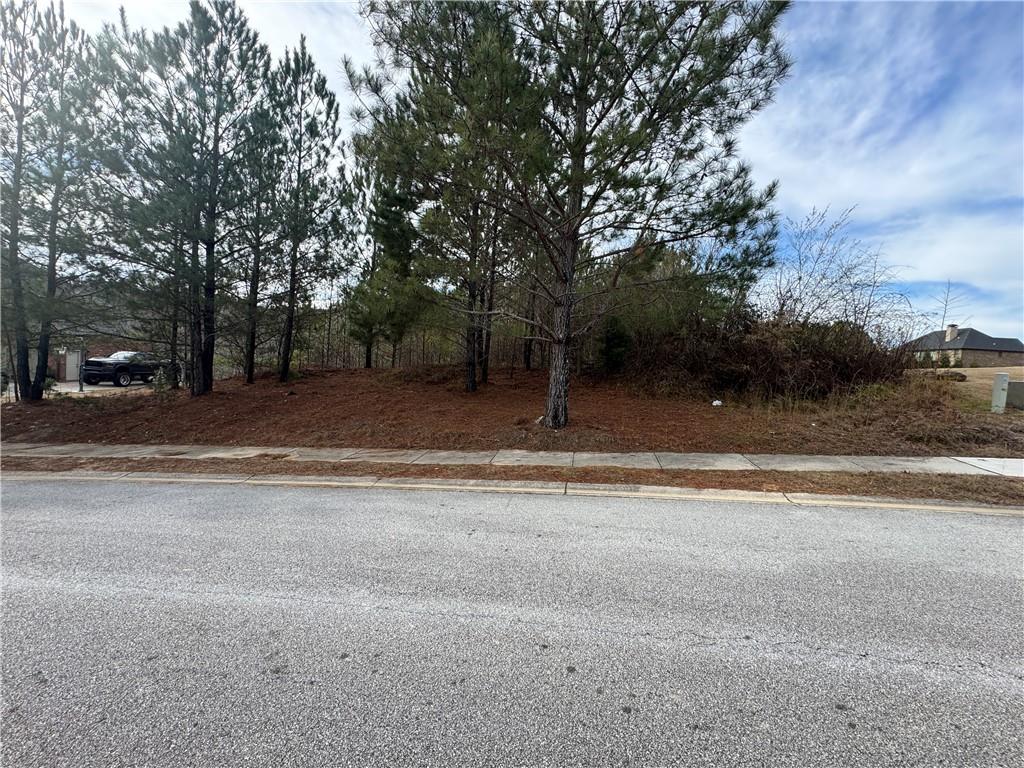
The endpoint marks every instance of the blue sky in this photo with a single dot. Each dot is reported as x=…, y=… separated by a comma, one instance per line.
x=911, y=112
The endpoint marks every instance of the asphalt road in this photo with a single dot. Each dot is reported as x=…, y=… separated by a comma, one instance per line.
x=181, y=625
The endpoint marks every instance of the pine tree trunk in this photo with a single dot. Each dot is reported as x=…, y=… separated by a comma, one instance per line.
x=471, y=339
x=21, y=372
x=556, y=408
x=485, y=360
x=46, y=321
x=368, y=357
x=297, y=215
x=195, y=354
x=531, y=309
x=479, y=328
x=209, y=316
x=289, y=321
x=10, y=362
x=210, y=273
x=327, y=334
x=486, y=364
x=176, y=277
x=471, y=297
x=197, y=386
x=195, y=351
x=172, y=371
x=251, y=312
x=556, y=411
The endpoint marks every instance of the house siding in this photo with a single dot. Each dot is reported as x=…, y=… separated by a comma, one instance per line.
x=969, y=358
x=987, y=358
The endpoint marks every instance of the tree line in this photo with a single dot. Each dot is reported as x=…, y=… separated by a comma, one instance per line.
x=158, y=177
x=569, y=150
x=566, y=174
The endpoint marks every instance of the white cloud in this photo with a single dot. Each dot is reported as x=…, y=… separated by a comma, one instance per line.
x=914, y=114
x=980, y=253
x=332, y=29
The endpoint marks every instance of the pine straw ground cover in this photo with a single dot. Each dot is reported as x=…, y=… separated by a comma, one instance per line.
x=959, y=488
x=428, y=409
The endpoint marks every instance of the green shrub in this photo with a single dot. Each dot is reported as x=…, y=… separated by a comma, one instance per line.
x=767, y=360
x=615, y=345
x=161, y=381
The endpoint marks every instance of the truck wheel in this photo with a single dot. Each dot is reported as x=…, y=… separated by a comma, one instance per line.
x=148, y=379
x=122, y=378
x=92, y=381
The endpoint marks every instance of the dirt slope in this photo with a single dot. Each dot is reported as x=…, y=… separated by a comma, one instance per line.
x=427, y=409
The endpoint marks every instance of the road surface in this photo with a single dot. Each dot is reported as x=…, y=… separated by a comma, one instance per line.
x=178, y=625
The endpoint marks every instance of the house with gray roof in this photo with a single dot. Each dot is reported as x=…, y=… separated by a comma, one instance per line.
x=967, y=348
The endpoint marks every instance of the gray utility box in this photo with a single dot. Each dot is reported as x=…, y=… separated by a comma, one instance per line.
x=1015, y=395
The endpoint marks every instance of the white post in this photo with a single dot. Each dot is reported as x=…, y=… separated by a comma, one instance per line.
x=1000, y=384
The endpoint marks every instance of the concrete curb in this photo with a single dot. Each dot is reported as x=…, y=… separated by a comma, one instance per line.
x=665, y=493
x=674, y=492
x=481, y=486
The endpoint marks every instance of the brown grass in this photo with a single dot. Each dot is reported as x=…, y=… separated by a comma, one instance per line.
x=960, y=488
x=427, y=409
x=979, y=381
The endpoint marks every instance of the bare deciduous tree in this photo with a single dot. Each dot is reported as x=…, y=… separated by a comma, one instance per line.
x=824, y=275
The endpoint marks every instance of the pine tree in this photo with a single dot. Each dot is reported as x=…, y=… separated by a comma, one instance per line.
x=622, y=135
x=446, y=146
x=313, y=187
x=62, y=167
x=180, y=103
x=22, y=82
x=403, y=293
x=257, y=221
x=148, y=197
x=229, y=75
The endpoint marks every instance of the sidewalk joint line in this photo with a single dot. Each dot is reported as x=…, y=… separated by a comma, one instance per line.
x=747, y=457
x=975, y=466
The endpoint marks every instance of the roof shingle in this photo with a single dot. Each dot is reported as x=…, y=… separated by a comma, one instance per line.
x=966, y=338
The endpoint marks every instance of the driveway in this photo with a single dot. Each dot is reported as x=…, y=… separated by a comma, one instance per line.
x=104, y=388
x=172, y=625
x=70, y=389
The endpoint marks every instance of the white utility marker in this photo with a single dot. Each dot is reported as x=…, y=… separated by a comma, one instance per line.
x=1000, y=384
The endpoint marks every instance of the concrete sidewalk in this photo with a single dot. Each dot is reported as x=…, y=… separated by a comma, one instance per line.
x=953, y=465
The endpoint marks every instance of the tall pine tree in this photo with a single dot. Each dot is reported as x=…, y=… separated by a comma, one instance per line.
x=638, y=105
x=313, y=189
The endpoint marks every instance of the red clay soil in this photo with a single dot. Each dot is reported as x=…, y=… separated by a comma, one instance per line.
x=427, y=409
x=960, y=488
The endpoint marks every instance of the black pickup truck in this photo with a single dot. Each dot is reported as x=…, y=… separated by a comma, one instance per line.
x=122, y=368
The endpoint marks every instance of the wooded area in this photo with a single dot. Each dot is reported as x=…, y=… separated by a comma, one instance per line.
x=548, y=185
